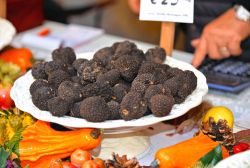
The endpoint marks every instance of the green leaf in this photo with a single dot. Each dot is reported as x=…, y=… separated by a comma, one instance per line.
x=211, y=158
x=13, y=144
x=3, y=157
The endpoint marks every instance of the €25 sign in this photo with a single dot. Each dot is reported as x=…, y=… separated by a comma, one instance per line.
x=167, y=10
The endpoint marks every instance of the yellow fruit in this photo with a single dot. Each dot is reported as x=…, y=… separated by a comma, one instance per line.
x=220, y=112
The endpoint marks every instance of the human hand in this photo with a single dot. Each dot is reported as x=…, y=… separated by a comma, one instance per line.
x=134, y=5
x=221, y=38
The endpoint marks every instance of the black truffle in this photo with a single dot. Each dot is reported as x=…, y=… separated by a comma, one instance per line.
x=38, y=71
x=114, y=108
x=142, y=82
x=133, y=106
x=89, y=70
x=77, y=63
x=156, y=55
x=104, y=55
x=161, y=105
x=111, y=77
x=75, y=110
x=41, y=96
x=70, y=91
x=71, y=71
x=147, y=67
x=119, y=91
x=98, y=89
x=94, y=109
x=57, y=77
x=58, y=107
x=52, y=66
x=128, y=67
x=151, y=91
x=65, y=55
x=124, y=47
x=38, y=83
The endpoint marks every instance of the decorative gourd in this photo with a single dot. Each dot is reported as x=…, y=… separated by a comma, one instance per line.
x=187, y=153
x=40, y=140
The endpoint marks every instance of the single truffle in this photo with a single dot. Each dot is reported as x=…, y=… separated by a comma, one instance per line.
x=133, y=106
x=104, y=55
x=90, y=70
x=128, y=67
x=187, y=86
x=41, y=96
x=71, y=71
x=38, y=83
x=156, y=55
x=161, y=105
x=151, y=91
x=65, y=55
x=114, y=108
x=111, y=77
x=98, y=89
x=94, y=109
x=38, y=71
x=58, y=107
x=173, y=84
x=77, y=63
x=138, y=54
x=125, y=47
x=70, y=91
x=119, y=91
x=142, y=82
x=147, y=67
x=75, y=110
x=57, y=77
x=52, y=66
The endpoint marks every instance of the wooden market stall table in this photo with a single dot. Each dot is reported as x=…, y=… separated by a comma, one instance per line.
x=238, y=103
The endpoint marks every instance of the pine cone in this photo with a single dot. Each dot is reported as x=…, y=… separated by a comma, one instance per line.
x=122, y=162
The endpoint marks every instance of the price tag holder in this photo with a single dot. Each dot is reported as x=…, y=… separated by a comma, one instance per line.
x=167, y=10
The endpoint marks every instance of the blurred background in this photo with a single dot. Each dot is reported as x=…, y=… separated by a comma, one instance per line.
x=114, y=16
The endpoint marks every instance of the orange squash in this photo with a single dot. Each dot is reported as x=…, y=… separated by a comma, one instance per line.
x=40, y=140
x=187, y=153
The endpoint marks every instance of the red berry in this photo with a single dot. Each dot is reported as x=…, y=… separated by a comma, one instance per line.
x=240, y=147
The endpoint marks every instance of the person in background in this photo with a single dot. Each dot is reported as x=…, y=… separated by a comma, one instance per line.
x=221, y=29
x=25, y=14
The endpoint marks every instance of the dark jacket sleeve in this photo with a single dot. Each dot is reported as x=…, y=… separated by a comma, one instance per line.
x=245, y=3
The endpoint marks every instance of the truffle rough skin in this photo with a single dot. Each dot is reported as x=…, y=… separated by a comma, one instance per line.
x=57, y=77
x=104, y=55
x=70, y=91
x=41, y=96
x=156, y=55
x=38, y=71
x=147, y=67
x=133, y=106
x=119, y=91
x=142, y=82
x=38, y=83
x=124, y=47
x=151, y=91
x=90, y=70
x=52, y=66
x=75, y=110
x=94, y=109
x=58, y=107
x=65, y=55
x=114, y=108
x=111, y=77
x=77, y=63
x=97, y=89
x=161, y=105
x=128, y=67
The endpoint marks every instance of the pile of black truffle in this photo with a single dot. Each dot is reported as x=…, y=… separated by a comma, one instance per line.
x=120, y=82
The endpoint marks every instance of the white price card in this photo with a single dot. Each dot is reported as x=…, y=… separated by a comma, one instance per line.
x=167, y=10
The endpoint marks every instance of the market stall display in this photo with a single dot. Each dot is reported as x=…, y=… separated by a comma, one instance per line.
x=23, y=99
